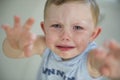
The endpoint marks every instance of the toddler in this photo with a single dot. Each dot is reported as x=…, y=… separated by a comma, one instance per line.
x=67, y=48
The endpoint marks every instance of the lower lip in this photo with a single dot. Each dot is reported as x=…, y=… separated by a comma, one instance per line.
x=65, y=48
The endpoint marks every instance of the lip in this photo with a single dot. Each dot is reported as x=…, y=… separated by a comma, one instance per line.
x=65, y=48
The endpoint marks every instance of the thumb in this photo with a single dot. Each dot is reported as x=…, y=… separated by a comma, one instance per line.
x=28, y=47
x=99, y=57
x=102, y=56
x=28, y=50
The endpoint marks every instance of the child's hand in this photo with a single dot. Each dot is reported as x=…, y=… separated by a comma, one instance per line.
x=19, y=37
x=110, y=59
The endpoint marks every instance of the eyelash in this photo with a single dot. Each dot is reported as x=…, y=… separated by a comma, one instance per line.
x=56, y=26
x=74, y=27
x=78, y=28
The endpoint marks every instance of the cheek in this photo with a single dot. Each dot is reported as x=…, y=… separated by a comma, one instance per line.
x=82, y=38
x=50, y=39
x=81, y=42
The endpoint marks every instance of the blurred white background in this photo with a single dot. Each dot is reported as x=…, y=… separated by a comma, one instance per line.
x=26, y=69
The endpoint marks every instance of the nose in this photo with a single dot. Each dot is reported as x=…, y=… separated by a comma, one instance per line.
x=66, y=35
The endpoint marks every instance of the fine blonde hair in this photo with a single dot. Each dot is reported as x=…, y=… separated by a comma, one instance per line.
x=93, y=5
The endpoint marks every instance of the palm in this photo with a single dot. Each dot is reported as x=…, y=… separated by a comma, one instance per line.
x=20, y=37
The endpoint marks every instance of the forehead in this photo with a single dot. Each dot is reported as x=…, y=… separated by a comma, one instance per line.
x=69, y=11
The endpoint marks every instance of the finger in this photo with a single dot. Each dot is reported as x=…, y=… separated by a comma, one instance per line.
x=105, y=71
x=100, y=53
x=6, y=28
x=114, y=48
x=34, y=37
x=27, y=39
x=16, y=21
x=28, y=24
x=28, y=50
x=112, y=44
x=111, y=66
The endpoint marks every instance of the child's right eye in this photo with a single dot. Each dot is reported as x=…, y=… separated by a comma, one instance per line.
x=56, y=26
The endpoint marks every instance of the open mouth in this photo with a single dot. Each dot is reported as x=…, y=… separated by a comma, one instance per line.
x=65, y=48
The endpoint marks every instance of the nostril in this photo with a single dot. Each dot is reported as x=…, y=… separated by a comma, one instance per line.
x=65, y=38
x=65, y=35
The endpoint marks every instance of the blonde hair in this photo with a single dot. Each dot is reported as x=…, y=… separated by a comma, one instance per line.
x=93, y=5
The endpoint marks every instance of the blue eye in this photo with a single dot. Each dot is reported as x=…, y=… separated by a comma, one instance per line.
x=77, y=28
x=56, y=25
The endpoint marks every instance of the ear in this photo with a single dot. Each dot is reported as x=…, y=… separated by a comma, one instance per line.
x=95, y=33
x=42, y=26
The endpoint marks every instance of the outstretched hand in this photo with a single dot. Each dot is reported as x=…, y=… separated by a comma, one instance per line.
x=19, y=36
x=109, y=56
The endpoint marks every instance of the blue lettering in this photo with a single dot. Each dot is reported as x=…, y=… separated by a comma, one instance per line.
x=49, y=71
x=71, y=78
x=61, y=73
x=58, y=73
x=64, y=77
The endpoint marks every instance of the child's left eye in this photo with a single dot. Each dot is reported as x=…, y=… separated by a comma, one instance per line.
x=77, y=27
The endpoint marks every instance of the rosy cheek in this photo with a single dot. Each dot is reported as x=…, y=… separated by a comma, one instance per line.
x=81, y=42
x=50, y=40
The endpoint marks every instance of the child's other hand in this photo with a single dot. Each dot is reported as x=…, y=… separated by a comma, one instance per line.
x=19, y=36
x=110, y=58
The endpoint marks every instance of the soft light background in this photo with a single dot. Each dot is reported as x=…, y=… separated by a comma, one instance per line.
x=26, y=69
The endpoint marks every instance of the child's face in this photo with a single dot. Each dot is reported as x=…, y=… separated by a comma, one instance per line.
x=69, y=28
